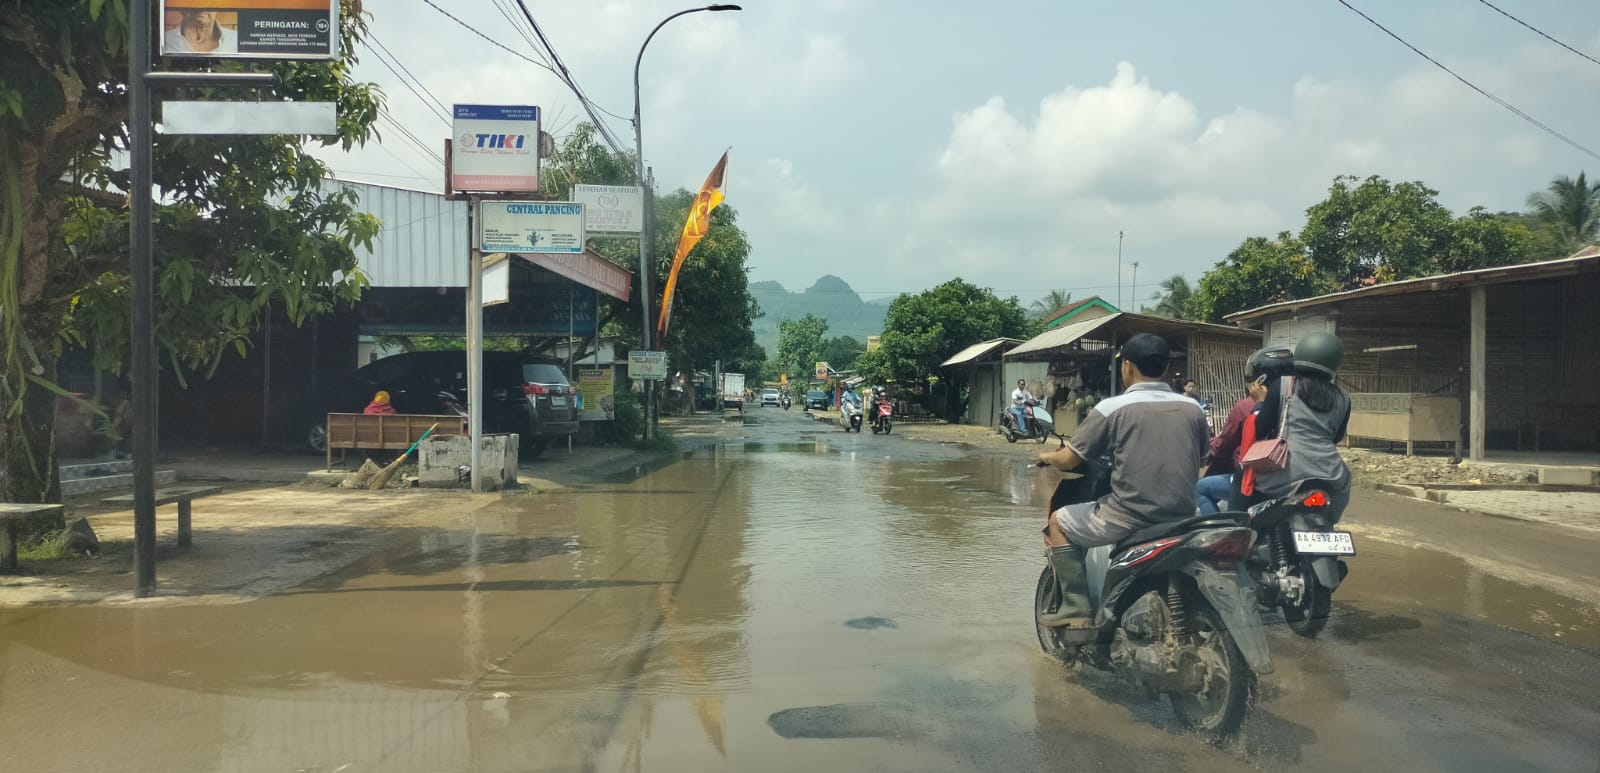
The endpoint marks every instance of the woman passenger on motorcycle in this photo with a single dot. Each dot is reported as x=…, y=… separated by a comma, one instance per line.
x=1319, y=412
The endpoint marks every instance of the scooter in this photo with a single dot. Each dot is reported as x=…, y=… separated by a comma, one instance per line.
x=882, y=420
x=850, y=417
x=1296, y=561
x=785, y=401
x=1174, y=611
x=1040, y=424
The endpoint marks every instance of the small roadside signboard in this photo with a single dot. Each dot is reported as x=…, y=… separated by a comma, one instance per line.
x=530, y=226
x=611, y=209
x=250, y=29
x=495, y=148
x=647, y=365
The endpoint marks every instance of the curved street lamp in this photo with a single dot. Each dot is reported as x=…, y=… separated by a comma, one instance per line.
x=646, y=240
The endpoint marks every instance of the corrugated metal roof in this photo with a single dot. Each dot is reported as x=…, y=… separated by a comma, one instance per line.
x=977, y=350
x=1064, y=335
x=1584, y=260
x=422, y=241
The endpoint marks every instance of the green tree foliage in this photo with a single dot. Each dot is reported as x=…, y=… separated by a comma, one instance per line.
x=1173, y=299
x=800, y=343
x=925, y=329
x=842, y=351
x=244, y=221
x=1365, y=232
x=1052, y=301
x=1258, y=272
x=1572, y=207
x=1376, y=230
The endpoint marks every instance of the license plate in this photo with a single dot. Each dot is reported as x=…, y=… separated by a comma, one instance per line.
x=1324, y=543
x=558, y=402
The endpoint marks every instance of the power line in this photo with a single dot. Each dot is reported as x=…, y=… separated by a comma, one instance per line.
x=432, y=110
x=415, y=142
x=1540, y=32
x=501, y=46
x=566, y=77
x=444, y=112
x=1469, y=84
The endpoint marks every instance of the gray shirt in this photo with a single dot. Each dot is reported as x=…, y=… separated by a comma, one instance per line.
x=1156, y=439
x=1313, y=438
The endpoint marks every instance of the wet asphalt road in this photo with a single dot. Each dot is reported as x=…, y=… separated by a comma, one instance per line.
x=793, y=598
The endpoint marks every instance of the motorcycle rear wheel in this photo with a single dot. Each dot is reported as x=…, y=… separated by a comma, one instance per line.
x=1011, y=435
x=1218, y=710
x=1310, y=616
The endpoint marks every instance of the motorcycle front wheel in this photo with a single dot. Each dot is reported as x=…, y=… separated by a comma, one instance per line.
x=1217, y=709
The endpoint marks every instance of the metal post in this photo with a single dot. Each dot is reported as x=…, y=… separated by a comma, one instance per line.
x=142, y=286
x=1119, y=270
x=1478, y=379
x=266, y=375
x=474, y=349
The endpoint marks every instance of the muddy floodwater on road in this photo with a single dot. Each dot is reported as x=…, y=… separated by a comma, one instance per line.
x=792, y=598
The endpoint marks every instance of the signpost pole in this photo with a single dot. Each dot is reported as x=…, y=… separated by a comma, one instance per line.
x=474, y=348
x=141, y=269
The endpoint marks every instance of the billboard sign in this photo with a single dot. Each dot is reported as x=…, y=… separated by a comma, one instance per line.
x=611, y=209
x=822, y=370
x=495, y=149
x=250, y=29
x=530, y=226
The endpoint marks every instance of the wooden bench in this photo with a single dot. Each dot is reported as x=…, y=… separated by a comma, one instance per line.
x=385, y=432
x=12, y=515
x=183, y=496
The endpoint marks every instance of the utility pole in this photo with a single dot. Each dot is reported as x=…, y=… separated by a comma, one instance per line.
x=1133, y=288
x=1119, y=269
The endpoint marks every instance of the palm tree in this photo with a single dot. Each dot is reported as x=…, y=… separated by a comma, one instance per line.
x=1174, y=295
x=1572, y=206
x=1056, y=299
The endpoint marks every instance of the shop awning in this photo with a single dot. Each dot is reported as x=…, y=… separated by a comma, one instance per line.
x=978, y=350
x=588, y=269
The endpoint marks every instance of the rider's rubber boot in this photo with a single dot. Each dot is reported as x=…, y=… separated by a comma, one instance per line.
x=1074, y=616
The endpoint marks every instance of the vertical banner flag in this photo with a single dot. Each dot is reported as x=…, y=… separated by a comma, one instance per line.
x=694, y=229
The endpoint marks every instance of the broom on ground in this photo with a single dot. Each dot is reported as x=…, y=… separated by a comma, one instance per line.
x=382, y=478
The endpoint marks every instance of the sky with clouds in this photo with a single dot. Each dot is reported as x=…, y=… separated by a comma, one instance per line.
x=898, y=144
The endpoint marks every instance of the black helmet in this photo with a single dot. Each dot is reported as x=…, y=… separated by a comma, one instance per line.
x=1270, y=362
x=1319, y=352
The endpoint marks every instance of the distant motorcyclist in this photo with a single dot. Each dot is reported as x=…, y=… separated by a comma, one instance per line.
x=1020, y=397
x=1156, y=439
x=880, y=395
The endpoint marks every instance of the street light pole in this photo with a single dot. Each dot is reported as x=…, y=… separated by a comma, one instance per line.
x=646, y=235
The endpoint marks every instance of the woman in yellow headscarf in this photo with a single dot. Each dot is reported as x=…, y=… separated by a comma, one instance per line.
x=379, y=404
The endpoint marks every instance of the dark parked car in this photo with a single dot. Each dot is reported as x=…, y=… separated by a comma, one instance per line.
x=817, y=398
x=529, y=396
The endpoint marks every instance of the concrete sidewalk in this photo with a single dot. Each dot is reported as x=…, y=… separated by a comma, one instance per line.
x=1574, y=508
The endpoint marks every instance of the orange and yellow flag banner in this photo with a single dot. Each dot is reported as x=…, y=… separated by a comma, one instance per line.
x=694, y=229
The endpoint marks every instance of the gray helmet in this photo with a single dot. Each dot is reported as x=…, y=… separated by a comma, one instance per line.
x=1319, y=352
x=1270, y=362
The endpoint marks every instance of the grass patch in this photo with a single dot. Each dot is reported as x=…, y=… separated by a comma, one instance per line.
x=45, y=546
x=662, y=442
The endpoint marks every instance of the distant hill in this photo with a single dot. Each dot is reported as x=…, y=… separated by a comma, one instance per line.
x=830, y=298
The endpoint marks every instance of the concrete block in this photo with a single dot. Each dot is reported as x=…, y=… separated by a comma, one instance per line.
x=1568, y=476
x=440, y=460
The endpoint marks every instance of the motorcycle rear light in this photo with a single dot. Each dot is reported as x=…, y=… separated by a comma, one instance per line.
x=1226, y=548
x=1142, y=553
x=534, y=389
x=1315, y=499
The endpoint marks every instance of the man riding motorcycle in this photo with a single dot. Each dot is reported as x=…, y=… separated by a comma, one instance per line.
x=1020, y=397
x=1156, y=439
x=879, y=395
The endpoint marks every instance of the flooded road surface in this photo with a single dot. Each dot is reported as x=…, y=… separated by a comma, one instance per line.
x=792, y=599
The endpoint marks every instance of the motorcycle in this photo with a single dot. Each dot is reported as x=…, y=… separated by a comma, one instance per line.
x=850, y=416
x=1296, y=561
x=1039, y=423
x=882, y=416
x=785, y=402
x=1174, y=611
